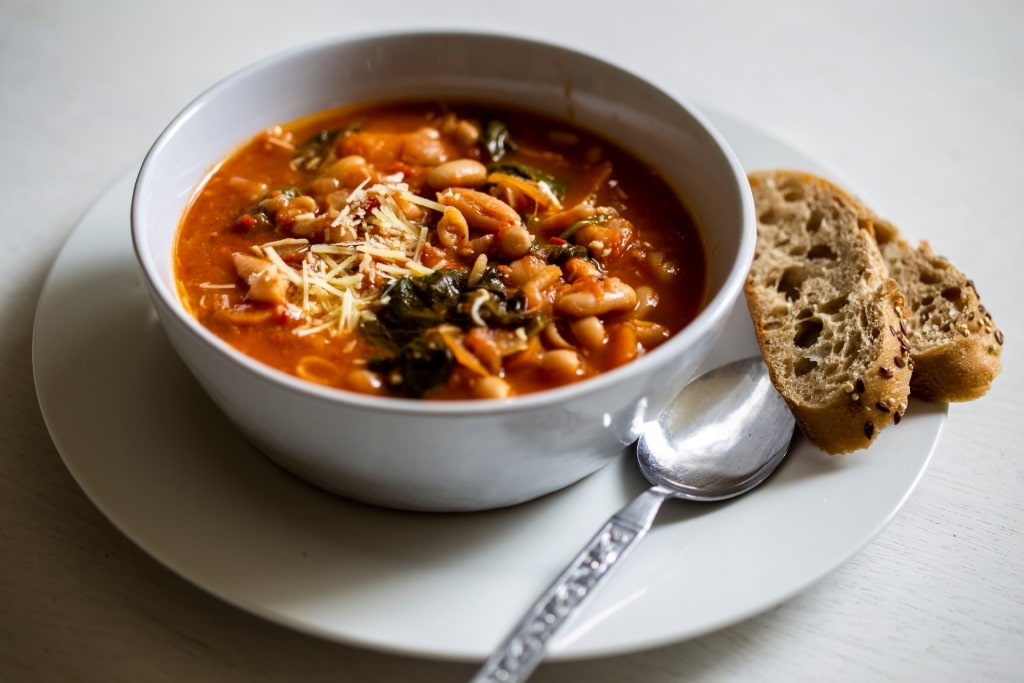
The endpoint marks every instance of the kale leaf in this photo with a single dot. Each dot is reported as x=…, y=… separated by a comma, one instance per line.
x=321, y=144
x=558, y=253
x=497, y=140
x=414, y=305
x=416, y=368
x=416, y=361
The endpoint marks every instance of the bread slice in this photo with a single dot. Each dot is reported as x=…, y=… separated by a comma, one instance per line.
x=828, y=318
x=955, y=345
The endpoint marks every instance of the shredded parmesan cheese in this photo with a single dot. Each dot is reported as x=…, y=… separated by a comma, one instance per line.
x=336, y=284
x=414, y=198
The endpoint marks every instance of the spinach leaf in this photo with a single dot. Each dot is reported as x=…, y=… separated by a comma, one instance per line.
x=418, y=360
x=258, y=215
x=497, y=140
x=498, y=310
x=320, y=145
x=414, y=305
x=558, y=253
x=521, y=170
x=416, y=368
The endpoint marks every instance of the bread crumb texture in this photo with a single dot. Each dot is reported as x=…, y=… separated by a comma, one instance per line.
x=851, y=318
x=957, y=347
x=830, y=321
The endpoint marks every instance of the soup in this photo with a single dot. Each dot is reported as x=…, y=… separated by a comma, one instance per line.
x=439, y=251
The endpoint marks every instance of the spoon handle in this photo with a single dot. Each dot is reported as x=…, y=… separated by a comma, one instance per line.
x=524, y=648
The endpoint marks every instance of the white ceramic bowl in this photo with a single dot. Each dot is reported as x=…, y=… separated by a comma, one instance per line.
x=466, y=455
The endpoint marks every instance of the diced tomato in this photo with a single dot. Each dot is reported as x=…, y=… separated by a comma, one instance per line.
x=403, y=168
x=369, y=204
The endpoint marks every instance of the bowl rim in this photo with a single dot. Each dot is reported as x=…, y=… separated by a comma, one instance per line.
x=717, y=308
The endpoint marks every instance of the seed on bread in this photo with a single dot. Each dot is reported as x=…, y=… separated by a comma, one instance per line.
x=828, y=318
x=829, y=278
x=956, y=344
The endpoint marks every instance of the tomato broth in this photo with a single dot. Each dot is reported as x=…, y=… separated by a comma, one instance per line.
x=439, y=250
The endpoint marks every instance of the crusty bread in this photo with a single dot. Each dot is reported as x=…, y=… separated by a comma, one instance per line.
x=827, y=316
x=955, y=345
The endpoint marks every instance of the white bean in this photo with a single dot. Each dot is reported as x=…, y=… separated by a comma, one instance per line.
x=589, y=297
x=350, y=170
x=491, y=387
x=364, y=381
x=646, y=301
x=561, y=362
x=457, y=173
x=466, y=133
x=589, y=331
x=650, y=334
x=514, y=242
x=265, y=281
x=662, y=267
x=424, y=148
x=553, y=337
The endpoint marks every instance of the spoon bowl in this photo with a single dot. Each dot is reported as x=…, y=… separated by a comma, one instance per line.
x=732, y=410
x=719, y=438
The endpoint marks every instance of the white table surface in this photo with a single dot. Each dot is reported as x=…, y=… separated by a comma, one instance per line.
x=920, y=104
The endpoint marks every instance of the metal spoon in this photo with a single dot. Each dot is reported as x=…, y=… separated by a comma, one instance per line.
x=722, y=436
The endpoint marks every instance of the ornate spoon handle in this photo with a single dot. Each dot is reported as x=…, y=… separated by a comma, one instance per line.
x=524, y=648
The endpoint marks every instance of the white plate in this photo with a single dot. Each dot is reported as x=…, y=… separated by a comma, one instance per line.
x=157, y=458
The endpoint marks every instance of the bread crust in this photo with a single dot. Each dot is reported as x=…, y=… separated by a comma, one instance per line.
x=956, y=346
x=829, y=320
